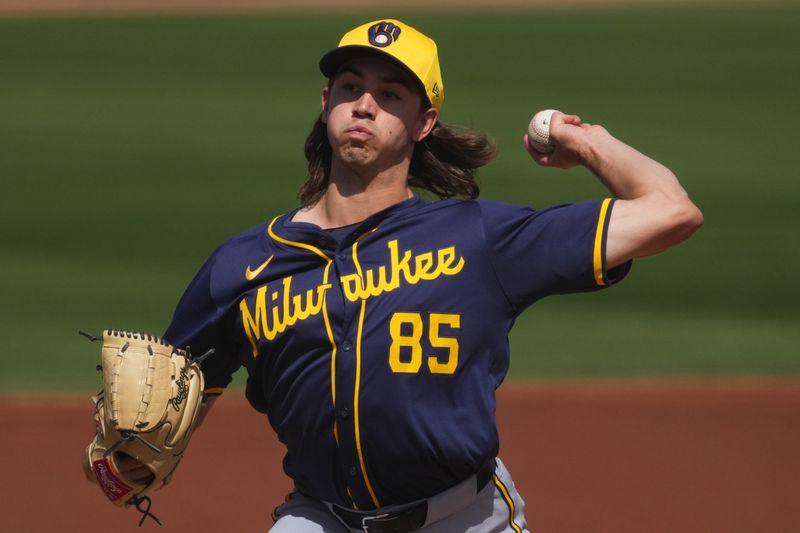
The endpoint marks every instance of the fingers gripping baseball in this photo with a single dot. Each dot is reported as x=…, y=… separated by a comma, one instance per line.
x=568, y=135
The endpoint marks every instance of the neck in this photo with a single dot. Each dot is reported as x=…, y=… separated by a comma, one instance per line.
x=355, y=194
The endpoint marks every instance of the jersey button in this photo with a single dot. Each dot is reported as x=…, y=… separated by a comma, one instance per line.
x=344, y=412
x=343, y=257
x=346, y=346
x=352, y=471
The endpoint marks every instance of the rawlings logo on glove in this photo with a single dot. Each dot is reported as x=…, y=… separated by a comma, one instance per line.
x=113, y=487
x=148, y=408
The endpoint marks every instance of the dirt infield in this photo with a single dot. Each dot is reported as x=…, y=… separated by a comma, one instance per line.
x=624, y=457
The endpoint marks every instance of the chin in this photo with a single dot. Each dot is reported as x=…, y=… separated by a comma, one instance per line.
x=356, y=155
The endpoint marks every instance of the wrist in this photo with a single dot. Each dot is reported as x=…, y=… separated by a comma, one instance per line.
x=596, y=149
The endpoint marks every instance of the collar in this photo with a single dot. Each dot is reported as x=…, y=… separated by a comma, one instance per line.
x=310, y=236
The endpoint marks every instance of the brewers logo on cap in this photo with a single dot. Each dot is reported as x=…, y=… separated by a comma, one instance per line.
x=383, y=34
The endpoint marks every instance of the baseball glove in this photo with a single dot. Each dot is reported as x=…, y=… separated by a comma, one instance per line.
x=147, y=410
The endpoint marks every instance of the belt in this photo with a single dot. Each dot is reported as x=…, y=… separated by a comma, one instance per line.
x=413, y=516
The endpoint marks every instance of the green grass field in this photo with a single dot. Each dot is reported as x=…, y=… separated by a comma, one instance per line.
x=132, y=147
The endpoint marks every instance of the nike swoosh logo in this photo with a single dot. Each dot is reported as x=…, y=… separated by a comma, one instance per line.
x=250, y=275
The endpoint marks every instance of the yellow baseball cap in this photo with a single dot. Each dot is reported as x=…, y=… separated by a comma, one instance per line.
x=397, y=40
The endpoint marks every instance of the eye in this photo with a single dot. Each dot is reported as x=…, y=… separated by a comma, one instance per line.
x=391, y=95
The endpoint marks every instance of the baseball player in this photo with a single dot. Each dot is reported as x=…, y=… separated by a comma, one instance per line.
x=374, y=323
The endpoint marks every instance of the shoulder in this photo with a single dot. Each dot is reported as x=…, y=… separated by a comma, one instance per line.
x=251, y=240
x=480, y=206
x=454, y=211
x=444, y=207
x=231, y=259
x=491, y=207
x=497, y=215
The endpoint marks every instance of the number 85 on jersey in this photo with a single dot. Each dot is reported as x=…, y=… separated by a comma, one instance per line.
x=407, y=331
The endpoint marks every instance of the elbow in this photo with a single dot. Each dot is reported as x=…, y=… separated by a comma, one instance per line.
x=684, y=219
x=691, y=217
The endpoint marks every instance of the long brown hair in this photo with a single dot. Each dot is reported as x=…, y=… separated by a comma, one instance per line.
x=445, y=162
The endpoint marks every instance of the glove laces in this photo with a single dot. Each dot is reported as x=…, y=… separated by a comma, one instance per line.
x=138, y=502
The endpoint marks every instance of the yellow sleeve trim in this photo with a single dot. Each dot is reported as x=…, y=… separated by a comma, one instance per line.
x=599, y=278
x=215, y=391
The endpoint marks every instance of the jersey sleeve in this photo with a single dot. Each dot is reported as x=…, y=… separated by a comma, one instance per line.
x=198, y=322
x=536, y=253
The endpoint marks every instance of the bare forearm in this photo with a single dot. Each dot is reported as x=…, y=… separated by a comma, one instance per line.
x=626, y=172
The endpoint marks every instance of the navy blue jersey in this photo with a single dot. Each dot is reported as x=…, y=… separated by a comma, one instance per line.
x=376, y=355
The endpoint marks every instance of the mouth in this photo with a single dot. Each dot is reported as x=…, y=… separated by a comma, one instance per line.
x=358, y=132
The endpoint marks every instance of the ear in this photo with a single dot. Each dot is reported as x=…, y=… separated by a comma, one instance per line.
x=326, y=92
x=427, y=120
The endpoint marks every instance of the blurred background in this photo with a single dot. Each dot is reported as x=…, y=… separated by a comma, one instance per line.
x=137, y=135
x=131, y=146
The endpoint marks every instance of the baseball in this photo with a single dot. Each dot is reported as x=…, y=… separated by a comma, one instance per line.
x=539, y=131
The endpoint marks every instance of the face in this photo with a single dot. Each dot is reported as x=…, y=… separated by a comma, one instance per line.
x=374, y=114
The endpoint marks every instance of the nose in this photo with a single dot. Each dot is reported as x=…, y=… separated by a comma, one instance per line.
x=365, y=106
